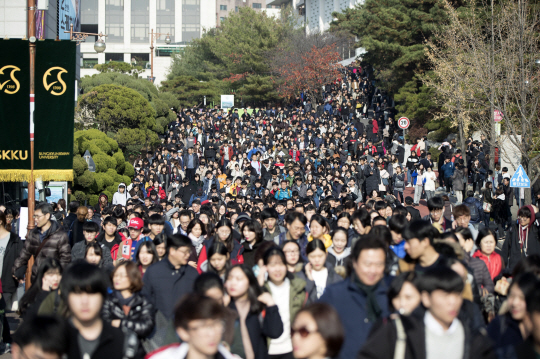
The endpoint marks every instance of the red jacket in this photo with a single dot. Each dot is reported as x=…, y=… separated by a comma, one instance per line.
x=222, y=154
x=417, y=149
x=295, y=155
x=375, y=126
x=493, y=262
x=161, y=193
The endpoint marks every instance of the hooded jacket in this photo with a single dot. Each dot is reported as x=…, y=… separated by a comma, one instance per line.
x=512, y=250
x=121, y=198
x=97, y=207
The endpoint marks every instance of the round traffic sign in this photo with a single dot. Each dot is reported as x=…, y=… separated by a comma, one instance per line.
x=404, y=123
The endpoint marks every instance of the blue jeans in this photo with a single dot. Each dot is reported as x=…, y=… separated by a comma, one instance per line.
x=487, y=215
x=409, y=178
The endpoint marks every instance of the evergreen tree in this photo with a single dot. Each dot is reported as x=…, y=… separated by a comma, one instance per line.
x=393, y=32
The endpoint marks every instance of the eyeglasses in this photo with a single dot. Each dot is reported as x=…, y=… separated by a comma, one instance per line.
x=303, y=331
x=36, y=216
x=185, y=251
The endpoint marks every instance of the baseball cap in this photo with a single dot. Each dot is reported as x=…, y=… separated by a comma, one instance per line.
x=136, y=223
x=242, y=217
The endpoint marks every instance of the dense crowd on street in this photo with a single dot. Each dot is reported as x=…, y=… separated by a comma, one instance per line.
x=283, y=232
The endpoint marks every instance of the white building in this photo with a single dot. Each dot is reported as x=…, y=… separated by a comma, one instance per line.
x=13, y=19
x=319, y=12
x=128, y=24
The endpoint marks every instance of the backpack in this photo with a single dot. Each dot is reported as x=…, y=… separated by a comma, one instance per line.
x=475, y=215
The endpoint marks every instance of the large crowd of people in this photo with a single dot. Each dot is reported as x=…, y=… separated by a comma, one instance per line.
x=284, y=232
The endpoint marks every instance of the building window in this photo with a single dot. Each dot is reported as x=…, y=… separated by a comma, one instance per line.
x=257, y=5
x=236, y=9
x=191, y=19
x=268, y=6
x=111, y=56
x=89, y=63
x=89, y=12
x=165, y=19
x=142, y=60
x=89, y=19
x=114, y=20
x=221, y=19
x=223, y=7
x=140, y=21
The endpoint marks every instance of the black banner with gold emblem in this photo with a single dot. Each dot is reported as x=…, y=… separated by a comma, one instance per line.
x=54, y=113
x=14, y=111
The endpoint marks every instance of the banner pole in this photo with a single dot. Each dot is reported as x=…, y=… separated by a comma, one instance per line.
x=31, y=183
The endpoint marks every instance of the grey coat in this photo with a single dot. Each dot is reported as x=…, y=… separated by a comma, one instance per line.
x=457, y=180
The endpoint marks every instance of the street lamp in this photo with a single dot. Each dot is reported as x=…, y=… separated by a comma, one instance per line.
x=155, y=36
x=99, y=46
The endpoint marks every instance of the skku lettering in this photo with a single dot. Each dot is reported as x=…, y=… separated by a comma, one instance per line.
x=16, y=155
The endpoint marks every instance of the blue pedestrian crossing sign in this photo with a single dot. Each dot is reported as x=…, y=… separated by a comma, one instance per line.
x=520, y=179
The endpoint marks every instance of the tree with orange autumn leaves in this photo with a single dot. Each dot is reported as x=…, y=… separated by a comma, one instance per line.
x=305, y=63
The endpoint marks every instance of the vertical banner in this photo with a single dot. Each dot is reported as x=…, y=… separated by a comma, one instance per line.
x=14, y=111
x=68, y=14
x=54, y=113
x=40, y=24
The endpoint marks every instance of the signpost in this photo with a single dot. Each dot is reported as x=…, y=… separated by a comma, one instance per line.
x=520, y=179
x=227, y=101
x=404, y=123
x=497, y=115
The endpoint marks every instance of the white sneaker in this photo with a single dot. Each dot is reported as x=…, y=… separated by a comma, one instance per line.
x=409, y=185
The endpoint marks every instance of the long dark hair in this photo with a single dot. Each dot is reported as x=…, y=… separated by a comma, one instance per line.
x=219, y=248
x=254, y=290
x=7, y=226
x=224, y=222
x=150, y=247
x=193, y=223
x=254, y=226
x=30, y=296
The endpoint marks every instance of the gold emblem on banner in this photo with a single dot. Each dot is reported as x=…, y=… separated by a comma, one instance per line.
x=10, y=88
x=58, y=87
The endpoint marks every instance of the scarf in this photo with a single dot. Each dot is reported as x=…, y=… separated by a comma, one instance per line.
x=197, y=242
x=374, y=310
x=524, y=238
x=124, y=302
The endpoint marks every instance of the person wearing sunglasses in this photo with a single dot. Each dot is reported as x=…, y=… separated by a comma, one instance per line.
x=317, y=332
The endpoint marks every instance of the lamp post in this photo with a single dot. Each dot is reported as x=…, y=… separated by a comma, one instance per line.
x=31, y=185
x=155, y=36
x=79, y=37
